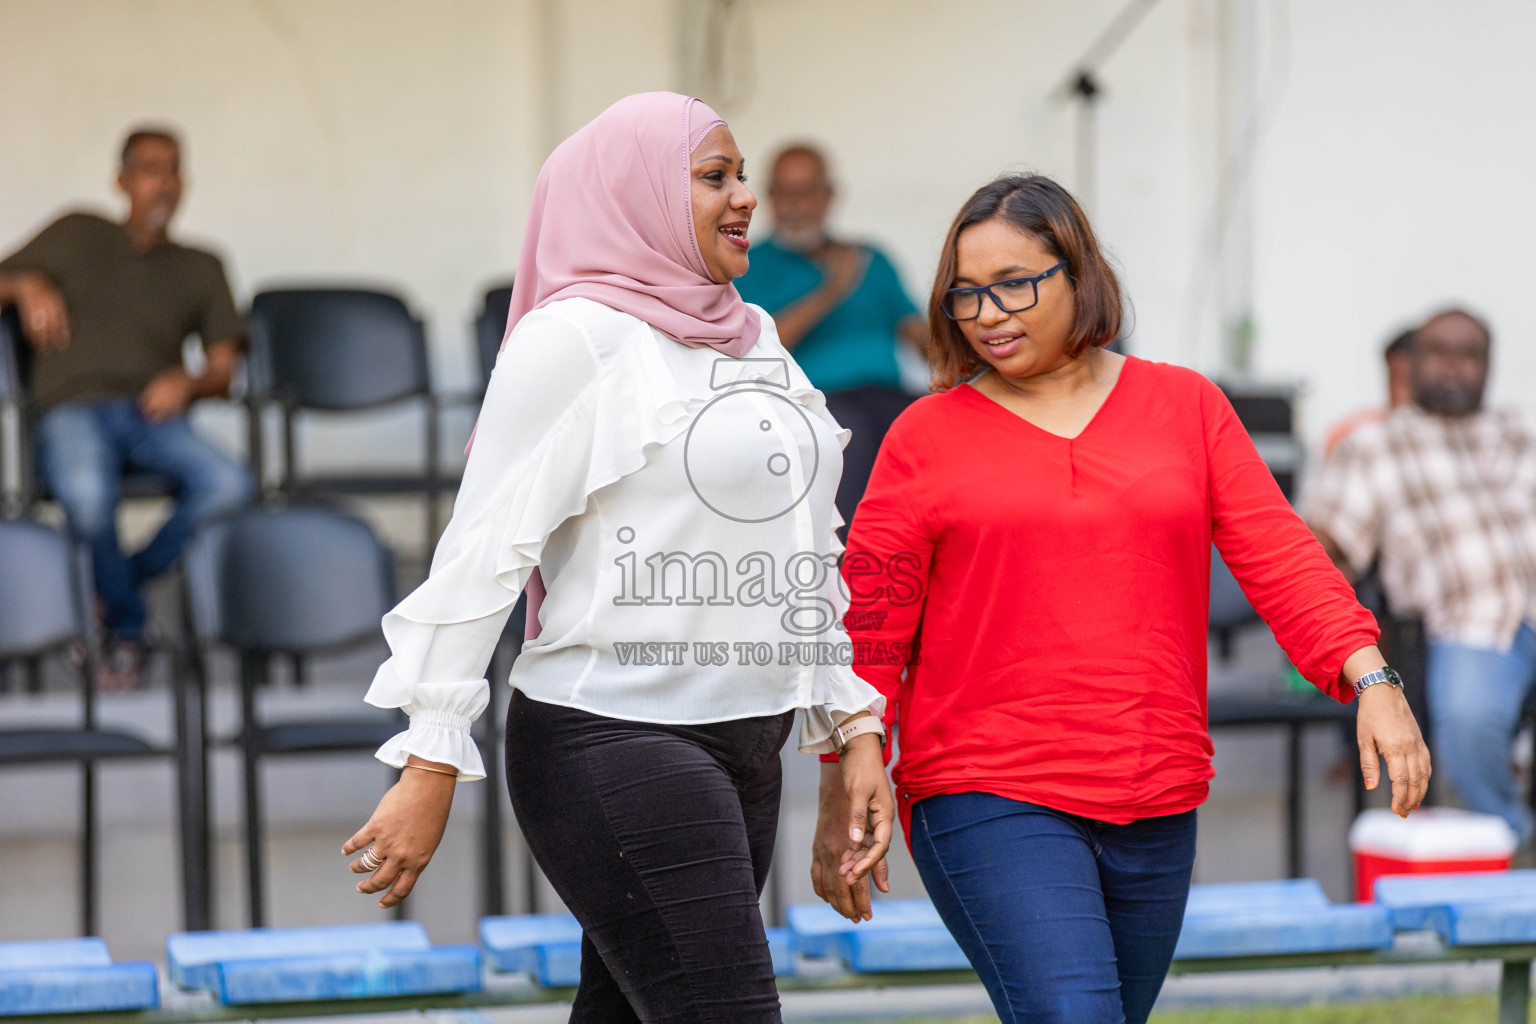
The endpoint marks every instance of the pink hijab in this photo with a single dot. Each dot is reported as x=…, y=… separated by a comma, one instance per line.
x=612, y=220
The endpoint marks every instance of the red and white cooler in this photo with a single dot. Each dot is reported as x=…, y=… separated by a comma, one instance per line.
x=1430, y=841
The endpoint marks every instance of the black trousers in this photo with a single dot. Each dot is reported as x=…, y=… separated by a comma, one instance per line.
x=658, y=839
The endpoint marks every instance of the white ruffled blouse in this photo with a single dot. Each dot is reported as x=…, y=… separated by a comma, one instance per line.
x=678, y=503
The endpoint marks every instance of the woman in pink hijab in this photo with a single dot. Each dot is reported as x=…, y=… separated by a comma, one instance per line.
x=652, y=465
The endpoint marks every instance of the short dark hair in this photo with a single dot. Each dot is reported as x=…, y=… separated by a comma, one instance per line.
x=144, y=134
x=1402, y=345
x=1040, y=207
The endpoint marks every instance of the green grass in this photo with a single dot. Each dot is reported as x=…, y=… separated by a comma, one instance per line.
x=1414, y=1010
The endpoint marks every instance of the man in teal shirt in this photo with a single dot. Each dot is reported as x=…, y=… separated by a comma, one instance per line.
x=839, y=308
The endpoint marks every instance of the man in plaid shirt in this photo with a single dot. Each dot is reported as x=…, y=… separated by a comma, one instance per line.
x=1444, y=493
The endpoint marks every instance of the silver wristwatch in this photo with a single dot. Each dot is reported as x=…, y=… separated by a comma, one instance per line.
x=1385, y=674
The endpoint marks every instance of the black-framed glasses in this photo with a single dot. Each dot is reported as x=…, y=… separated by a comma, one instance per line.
x=1013, y=295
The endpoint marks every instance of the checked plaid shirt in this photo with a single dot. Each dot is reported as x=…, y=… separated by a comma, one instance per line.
x=1449, y=505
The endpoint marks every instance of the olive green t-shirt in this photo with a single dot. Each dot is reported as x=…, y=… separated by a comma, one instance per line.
x=129, y=311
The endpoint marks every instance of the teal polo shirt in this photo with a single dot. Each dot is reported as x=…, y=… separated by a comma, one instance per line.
x=856, y=344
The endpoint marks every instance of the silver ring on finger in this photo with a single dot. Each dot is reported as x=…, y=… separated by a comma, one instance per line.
x=371, y=860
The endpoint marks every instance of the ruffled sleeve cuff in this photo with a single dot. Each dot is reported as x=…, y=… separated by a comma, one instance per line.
x=442, y=733
x=849, y=695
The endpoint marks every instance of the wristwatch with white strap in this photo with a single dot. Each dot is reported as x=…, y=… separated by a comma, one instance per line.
x=857, y=727
x=1386, y=674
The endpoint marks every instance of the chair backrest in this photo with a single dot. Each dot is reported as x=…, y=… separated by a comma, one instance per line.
x=1261, y=408
x=42, y=603
x=1229, y=605
x=1268, y=413
x=288, y=580
x=336, y=348
x=491, y=327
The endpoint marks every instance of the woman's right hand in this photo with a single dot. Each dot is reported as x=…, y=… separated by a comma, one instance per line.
x=404, y=831
x=831, y=847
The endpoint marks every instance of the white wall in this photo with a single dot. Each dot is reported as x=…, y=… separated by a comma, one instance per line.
x=345, y=141
x=396, y=141
x=1397, y=179
x=920, y=103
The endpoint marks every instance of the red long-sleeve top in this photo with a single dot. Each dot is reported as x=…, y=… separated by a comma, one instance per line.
x=1057, y=591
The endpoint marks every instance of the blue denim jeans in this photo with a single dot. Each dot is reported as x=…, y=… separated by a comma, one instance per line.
x=83, y=449
x=1475, y=696
x=1067, y=920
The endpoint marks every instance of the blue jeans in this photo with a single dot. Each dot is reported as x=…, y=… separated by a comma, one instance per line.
x=1475, y=696
x=1066, y=919
x=83, y=449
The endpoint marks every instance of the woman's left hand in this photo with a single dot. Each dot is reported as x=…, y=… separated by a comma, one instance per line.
x=1385, y=726
x=871, y=807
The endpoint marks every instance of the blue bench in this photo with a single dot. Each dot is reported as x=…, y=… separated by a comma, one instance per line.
x=903, y=935
x=1245, y=919
x=1418, y=902
x=350, y=969
x=1238, y=926
x=1267, y=919
x=1491, y=912
x=547, y=947
x=328, y=962
x=72, y=976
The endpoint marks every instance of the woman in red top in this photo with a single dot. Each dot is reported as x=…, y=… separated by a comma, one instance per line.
x=1040, y=529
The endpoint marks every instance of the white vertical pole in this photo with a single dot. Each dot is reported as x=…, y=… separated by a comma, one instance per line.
x=1087, y=169
x=1237, y=104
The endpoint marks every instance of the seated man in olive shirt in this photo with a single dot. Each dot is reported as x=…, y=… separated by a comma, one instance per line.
x=105, y=307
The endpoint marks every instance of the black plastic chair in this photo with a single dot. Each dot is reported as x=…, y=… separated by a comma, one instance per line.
x=44, y=596
x=339, y=350
x=491, y=327
x=294, y=581
x=1267, y=412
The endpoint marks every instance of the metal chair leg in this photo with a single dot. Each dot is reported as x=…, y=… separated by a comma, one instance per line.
x=1293, y=801
x=250, y=671
x=287, y=480
x=192, y=794
x=255, y=442
x=254, y=840
x=492, y=854
x=88, y=848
